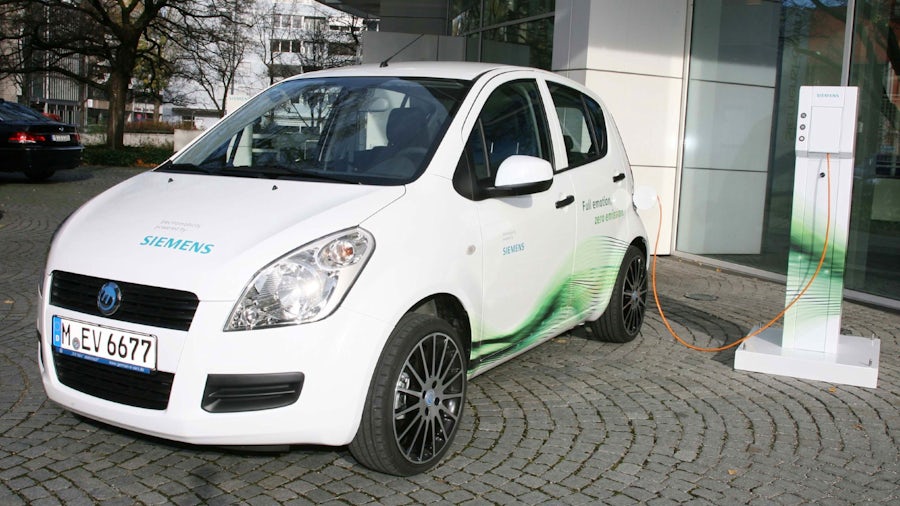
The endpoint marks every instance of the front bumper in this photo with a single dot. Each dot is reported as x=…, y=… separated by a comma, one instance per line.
x=333, y=359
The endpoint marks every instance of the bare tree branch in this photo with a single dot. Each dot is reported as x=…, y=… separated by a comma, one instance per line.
x=41, y=36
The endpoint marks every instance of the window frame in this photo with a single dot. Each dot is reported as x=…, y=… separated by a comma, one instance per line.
x=465, y=179
x=601, y=145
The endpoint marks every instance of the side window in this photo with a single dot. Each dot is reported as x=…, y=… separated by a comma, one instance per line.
x=512, y=122
x=581, y=123
x=598, y=124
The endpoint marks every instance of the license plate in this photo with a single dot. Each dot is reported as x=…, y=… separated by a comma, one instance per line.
x=105, y=345
x=61, y=137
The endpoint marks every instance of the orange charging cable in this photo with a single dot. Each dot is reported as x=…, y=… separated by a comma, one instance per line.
x=773, y=320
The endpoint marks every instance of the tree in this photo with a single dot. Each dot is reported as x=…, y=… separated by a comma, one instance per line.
x=212, y=60
x=114, y=35
x=292, y=40
x=153, y=75
x=269, y=30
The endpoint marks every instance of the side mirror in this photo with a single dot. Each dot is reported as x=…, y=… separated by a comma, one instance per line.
x=522, y=175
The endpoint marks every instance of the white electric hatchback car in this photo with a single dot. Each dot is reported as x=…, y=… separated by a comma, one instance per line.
x=333, y=261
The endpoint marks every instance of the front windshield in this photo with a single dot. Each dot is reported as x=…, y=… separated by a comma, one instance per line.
x=368, y=130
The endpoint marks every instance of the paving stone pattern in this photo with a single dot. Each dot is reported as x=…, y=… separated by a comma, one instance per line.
x=571, y=422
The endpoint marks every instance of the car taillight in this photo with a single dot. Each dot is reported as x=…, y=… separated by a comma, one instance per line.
x=26, y=138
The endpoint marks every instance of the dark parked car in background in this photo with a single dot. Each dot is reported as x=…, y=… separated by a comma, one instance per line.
x=35, y=144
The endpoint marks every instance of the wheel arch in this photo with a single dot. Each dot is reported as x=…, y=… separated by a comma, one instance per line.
x=450, y=309
x=641, y=244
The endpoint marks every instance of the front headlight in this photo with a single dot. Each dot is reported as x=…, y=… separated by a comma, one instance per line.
x=305, y=285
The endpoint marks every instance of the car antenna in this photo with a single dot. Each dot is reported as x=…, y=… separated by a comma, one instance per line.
x=386, y=60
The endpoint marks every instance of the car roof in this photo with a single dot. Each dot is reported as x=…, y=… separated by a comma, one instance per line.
x=438, y=69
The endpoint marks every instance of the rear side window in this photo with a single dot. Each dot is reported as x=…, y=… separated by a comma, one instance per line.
x=13, y=112
x=512, y=122
x=582, y=124
x=598, y=123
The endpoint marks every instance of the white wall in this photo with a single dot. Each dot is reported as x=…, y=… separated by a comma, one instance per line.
x=634, y=58
x=8, y=89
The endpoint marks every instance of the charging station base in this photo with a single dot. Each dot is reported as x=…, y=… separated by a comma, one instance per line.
x=855, y=363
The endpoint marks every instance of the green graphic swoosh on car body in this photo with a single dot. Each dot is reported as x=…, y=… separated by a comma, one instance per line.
x=586, y=287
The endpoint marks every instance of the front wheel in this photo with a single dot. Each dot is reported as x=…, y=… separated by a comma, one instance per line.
x=415, y=400
x=624, y=315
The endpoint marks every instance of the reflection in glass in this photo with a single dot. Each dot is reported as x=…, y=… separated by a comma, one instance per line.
x=874, y=248
x=501, y=11
x=359, y=130
x=473, y=47
x=465, y=16
x=529, y=44
x=748, y=61
x=496, y=32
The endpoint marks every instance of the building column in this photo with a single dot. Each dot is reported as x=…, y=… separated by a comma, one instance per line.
x=633, y=55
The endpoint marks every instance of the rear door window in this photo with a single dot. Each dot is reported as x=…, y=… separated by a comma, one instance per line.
x=582, y=124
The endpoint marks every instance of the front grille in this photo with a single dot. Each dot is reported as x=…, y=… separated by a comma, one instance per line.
x=146, y=305
x=150, y=391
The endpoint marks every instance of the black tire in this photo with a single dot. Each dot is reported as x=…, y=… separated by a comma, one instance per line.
x=622, y=320
x=408, y=423
x=39, y=173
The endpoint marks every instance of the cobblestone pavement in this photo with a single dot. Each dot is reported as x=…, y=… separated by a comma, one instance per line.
x=572, y=422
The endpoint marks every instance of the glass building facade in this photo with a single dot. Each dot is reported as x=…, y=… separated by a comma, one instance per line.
x=517, y=32
x=747, y=60
x=747, y=63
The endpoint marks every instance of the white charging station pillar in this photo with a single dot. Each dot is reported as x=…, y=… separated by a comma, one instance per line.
x=810, y=345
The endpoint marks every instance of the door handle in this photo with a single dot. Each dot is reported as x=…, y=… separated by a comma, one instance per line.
x=618, y=177
x=564, y=202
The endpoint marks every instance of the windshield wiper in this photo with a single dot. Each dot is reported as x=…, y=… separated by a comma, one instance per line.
x=319, y=176
x=287, y=172
x=186, y=168
x=243, y=171
x=258, y=171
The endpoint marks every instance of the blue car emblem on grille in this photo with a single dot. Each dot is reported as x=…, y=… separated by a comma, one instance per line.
x=109, y=298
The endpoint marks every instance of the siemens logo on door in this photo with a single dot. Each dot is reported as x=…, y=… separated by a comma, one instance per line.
x=177, y=244
x=515, y=248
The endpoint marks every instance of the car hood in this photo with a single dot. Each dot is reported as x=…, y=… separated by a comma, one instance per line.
x=205, y=234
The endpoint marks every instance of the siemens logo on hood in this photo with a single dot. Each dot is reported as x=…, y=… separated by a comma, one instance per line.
x=187, y=245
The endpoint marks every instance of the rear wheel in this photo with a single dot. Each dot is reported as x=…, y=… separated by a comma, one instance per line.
x=415, y=399
x=39, y=173
x=622, y=320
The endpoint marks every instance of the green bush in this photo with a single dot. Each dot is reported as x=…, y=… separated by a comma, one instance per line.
x=143, y=156
x=150, y=127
